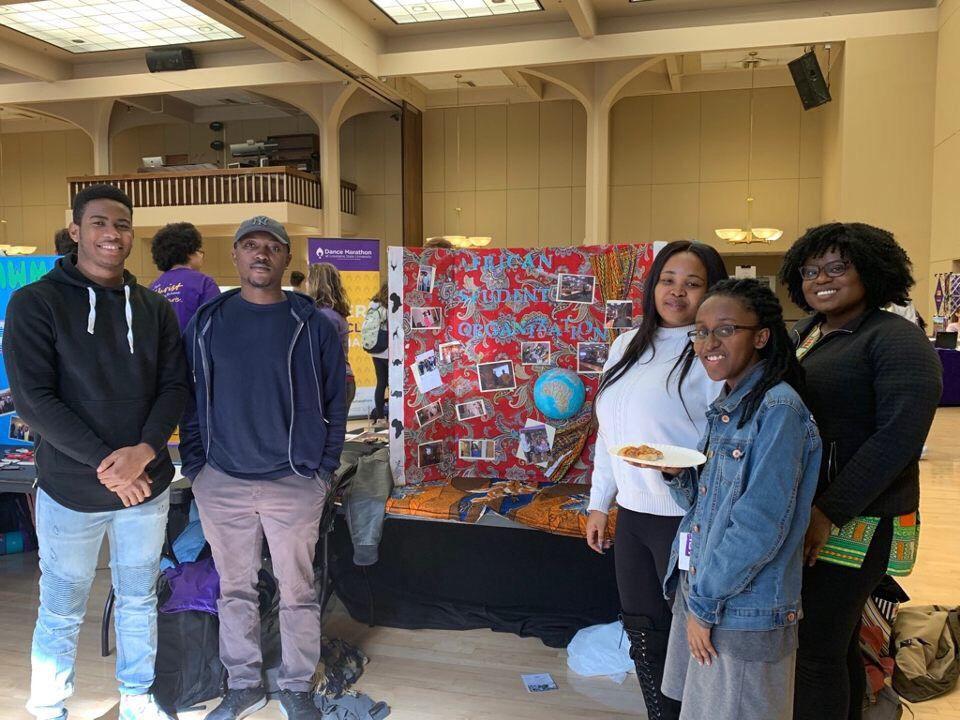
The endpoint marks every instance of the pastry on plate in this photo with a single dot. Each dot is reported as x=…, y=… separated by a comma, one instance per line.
x=641, y=453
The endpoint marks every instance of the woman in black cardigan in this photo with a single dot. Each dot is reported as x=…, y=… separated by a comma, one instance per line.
x=873, y=383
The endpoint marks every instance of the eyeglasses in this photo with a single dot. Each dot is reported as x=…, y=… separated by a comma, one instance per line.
x=719, y=332
x=832, y=269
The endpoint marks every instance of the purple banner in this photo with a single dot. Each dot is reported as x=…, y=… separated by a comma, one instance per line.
x=345, y=253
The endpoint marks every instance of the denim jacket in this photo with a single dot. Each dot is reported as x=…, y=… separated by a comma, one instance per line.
x=749, y=507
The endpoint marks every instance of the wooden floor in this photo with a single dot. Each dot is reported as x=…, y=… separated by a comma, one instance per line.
x=475, y=675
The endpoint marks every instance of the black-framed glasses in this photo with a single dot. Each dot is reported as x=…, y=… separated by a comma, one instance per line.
x=719, y=332
x=832, y=269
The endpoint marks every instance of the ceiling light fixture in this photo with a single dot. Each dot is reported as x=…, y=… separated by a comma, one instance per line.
x=739, y=236
x=405, y=12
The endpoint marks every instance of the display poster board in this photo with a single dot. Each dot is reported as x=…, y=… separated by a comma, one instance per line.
x=471, y=333
x=358, y=260
x=15, y=272
x=946, y=298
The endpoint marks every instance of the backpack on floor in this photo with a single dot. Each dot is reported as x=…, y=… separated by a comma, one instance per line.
x=373, y=334
x=926, y=643
x=880, y=701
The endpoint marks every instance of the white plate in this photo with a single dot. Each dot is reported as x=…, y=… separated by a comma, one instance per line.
x=673, y=456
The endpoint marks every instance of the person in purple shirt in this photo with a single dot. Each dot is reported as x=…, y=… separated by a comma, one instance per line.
x=178, y=254
x=325, y=287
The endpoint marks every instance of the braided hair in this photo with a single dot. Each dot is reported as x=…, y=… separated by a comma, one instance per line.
x=779, y=352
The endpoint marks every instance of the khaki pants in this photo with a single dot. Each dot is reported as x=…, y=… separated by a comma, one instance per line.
x=236, y=515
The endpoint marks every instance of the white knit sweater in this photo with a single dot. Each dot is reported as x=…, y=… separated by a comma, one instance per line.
x=642, y=407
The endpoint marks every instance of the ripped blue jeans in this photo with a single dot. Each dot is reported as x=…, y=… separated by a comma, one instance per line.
x=69, y=546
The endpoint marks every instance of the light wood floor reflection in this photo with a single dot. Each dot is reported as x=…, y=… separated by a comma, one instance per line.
x=475, y=675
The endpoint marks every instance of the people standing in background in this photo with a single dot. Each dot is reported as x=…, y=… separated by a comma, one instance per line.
x=326, y=288
x=96, y=366
x=62, y=242
x=651, y=391
x=268, y=379
x=381, y=365
x=178, y=253
x=296, y=280
x=873, y=383
x=954, y=324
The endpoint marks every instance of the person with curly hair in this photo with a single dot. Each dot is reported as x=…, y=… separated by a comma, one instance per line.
x=62, y=242
x=873, y=383
x=177, y=251
x=326, y=288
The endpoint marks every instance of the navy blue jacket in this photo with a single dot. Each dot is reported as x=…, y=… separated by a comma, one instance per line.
x=317, y=374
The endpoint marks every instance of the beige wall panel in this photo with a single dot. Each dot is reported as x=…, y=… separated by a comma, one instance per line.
x=433, y=214
x=944, y=243
x=54, y=166
x=523, y=145
x=10, y=183
x=724, y=135
x=776, y=204
x=392, y=155
x=463, y=222
x=556, y=144
x=676, y=138
x=811, y=142
x=722, y=205
x=34, y=226
x=151, y=141
x=630, y=214
x=555, y=218
x=947, y=118
x=392, y=223
x=460, y=171
x=808, y=206
x=631, y=141
x=31, y=170
x=433, y=144
x=348, y=152
x=579, y=162
x=675, y=212
x=370, y=152
x=176, y=138
x=370, y=223
x=523, y=217
x=491, y=147
x=125, y=151
x=946, y=10
x=578, y=215
x=492, y=215
x=11, y=232
x=255, y=129
x=776, y=133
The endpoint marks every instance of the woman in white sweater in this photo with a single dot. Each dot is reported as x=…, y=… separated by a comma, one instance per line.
x=651, y=391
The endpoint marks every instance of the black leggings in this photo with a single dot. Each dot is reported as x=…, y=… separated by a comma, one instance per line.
x=831, y=680
x=382, y=368
x=642, y=551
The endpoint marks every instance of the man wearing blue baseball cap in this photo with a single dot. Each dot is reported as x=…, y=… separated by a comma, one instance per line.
x=260, y=440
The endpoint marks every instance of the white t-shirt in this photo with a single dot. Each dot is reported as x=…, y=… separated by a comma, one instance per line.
x=643, y=407
x=383, y=326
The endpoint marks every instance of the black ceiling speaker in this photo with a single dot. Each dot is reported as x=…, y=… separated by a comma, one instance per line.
x=808, y=78
x=170, y=58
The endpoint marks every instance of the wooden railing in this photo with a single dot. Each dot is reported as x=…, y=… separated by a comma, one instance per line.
x=348, y=198
x=211, y=187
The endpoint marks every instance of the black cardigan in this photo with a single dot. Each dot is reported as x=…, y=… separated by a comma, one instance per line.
x=873, y=388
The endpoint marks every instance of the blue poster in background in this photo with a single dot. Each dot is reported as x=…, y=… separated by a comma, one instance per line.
x=15, y=272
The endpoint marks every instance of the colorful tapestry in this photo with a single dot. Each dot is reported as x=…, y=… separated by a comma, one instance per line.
x=472, y=331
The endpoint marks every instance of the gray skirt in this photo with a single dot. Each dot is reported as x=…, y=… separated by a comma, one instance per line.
x=730, y=688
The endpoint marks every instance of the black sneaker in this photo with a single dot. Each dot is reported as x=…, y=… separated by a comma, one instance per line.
x=298, y=706
x=238, y=704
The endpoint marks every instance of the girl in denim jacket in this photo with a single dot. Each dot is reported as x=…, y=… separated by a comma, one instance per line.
x=736, y=566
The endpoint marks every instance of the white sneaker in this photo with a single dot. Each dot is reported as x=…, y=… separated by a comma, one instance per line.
x=141, y=707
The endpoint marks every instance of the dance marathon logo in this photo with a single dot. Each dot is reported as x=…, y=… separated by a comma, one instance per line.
x=345, y=254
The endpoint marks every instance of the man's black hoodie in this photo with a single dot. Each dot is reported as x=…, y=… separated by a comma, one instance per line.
x=93, y=369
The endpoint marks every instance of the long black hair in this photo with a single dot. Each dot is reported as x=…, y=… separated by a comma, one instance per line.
x=779, y=353
x=643, y=338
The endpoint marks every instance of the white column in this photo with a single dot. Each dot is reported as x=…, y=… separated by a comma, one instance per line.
x=597, y=215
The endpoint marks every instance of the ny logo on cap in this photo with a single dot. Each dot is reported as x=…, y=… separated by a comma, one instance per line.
x=261, y=220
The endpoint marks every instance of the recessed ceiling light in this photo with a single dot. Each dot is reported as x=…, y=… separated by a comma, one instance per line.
x=83, y=26
x=403, y=12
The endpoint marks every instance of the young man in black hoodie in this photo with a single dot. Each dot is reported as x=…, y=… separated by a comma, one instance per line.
x=96, y=366
x=260, y=440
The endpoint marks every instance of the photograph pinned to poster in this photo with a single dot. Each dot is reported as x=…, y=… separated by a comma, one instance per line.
x=471, y=410
x=426, y=275
x=542, y=682
x=426, y=318
x=575, y=288
x=19, y=430
x=476, y=449
x=451, y=352
x=430, y=453
x=591, y=357
x=535, y=353
x=619, y=315
x=6, y=401
x=429, y=413
x=536, y=442
x=426, y=372
x=496, y=376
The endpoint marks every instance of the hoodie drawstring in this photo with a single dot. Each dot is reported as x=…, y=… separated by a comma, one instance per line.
x=128, y=312
x=92, y=316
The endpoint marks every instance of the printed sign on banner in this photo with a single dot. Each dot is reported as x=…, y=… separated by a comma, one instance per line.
x=358, y=260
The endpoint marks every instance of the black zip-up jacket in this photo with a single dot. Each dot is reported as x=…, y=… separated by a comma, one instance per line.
x=873, y=388
x=93, y=369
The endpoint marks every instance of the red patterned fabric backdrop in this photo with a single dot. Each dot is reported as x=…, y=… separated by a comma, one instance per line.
x=462, y=309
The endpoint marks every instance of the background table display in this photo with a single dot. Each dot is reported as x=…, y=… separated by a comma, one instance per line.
x=459, y=324
x=951, y=376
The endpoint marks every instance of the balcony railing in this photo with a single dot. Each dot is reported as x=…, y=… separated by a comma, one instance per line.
x=221, y=187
